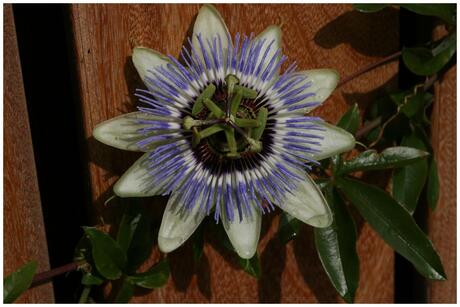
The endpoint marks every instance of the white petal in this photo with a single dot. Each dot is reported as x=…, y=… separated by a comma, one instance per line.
x=244, y=235
x=308, y=205
x=121, y=131
x=271, y=33
x=335, y=140
x=146, y=59
x=323, y=82
x=178, y=224
x=136, y=181
x=210, y=24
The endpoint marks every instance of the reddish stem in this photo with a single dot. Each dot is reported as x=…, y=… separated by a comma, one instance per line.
x=43, y=277
x=369, y=68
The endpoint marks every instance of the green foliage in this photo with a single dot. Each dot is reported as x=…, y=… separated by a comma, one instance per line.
x=350, y=120
x=155, y=277
x=108, y=256
x=89, y=279
x=336, y=246
x=135, y=235
x=251, y=266
x=446, y=12
x=289, y=227
x=394, y=225
x=428, y=61
x=18, y=282
x=118, y=260
x=408, y=181
x=416, y=104
x=390, y=157
x=425, y=61
x=125, y=293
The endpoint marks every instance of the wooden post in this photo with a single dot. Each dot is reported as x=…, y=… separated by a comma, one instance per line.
x=442, y=223
x=316, y=36
x=24, y=233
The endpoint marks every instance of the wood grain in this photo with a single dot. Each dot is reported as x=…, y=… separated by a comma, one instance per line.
x=316, y=36
x=24, y=233
x=442, y=223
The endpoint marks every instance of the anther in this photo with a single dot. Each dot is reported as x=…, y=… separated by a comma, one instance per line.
x=247, y=92
x=188, y=123
x=231, y=81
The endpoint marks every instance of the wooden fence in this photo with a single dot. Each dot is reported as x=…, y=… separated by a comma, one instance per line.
x=316, y=36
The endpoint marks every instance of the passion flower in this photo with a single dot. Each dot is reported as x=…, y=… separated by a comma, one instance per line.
x=225, y=134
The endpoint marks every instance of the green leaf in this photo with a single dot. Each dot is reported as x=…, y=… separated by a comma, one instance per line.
x=135, y=235
x=350, y=120
x=416, y=104
x=155, y=277
x=390, y=157
x=336, y=246
x=408, y=181
x=108, y=256
x=90, y=279
x=18, y=282
x=425, y=62
x=251, y=266
x=394, y=225
x=446, y=12
x=125, y=293
x=432, y=188
x=288, y=227
x=369, y=8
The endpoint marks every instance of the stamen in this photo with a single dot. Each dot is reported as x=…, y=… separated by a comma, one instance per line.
x=214, y=108
x=210, y=131
x=254, y=145
x=231, y=141
x=189, y=122
x=262, y=119
x=236, y=101
x=206, y=94
x=247, y=122
x=247, y=92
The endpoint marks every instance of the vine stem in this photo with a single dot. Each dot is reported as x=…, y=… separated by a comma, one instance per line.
x=429, y=82
x=369, y=68
x=84, y=295
x=48, y=275
x=368, y=127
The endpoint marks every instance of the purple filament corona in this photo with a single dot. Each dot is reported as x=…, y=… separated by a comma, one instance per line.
x=234, y=188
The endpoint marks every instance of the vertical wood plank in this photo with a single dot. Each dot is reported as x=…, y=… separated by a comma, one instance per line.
x=24, y=233
x=442, y=223
x=316, y=36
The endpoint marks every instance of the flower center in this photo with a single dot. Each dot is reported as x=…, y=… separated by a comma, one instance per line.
x=225, y=119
